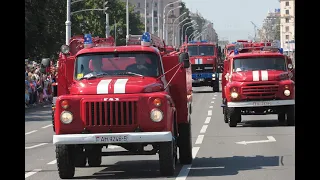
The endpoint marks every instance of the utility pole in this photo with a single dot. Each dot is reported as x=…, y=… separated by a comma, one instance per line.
x=145, y=15
x=152, y=18
x=107, y=19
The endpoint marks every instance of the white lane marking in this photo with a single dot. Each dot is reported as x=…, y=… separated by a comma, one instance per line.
x=103, y=86
x=53, y=162
x=213, y=98
x=183, y=174
x=199, y=139
x=210, y=107
x=215, y=95
x=264, y=75
x=41, y=144
x=113, y=147
x=212, y=102
x=255, y=75
x=207, y=121
x=199, y=168
x=270, y=139
x=46, y=126
x=28, y=174
x=31, y=132
x=209, y=112
x=120, y=86
x=204, y=129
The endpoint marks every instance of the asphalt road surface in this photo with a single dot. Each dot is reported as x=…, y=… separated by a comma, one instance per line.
x=257, y=149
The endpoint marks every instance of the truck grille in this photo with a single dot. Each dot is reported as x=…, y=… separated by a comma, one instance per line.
x=259, y=90
x=110, y=113
x=200, y=68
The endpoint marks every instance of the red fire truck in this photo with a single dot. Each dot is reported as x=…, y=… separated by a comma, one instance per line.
x=257, y=82
x=203, y=57
x=129, y=96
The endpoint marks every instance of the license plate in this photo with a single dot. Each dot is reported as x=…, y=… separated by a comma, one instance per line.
x=111, y=139
x=265, y=103
x=201, y=79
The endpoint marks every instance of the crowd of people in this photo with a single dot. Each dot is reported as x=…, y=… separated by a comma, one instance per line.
x=37, y=85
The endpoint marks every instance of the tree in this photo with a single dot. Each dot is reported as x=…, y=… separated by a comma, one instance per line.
x=190, y=30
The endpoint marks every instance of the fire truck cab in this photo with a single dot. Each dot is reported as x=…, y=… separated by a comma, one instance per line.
x=130, y=96
x=257, y=82
x=203, y=57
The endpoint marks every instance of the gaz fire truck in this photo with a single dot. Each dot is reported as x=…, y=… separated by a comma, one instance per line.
x=129, y=96
x=257, y=82
x=203, y=57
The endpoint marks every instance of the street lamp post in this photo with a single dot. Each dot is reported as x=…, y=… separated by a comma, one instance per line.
x=164, y=16
x=158, y=16
x=183, y=28
x=145, y=15
x=173, y=28
x=194, y=32
x=185, y=31
x=166, y=29
x=179, y=29
x=127, y=21
x=152, y=17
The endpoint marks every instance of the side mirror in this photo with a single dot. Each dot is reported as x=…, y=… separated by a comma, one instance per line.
x=45, y=62
x=184, y=58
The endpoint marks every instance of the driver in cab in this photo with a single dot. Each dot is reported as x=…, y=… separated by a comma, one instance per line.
x=141, y=66
x=97, y=68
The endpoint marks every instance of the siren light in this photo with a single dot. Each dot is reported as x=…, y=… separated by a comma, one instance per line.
x=204, y=41
x=87, y=40
x=146, y=39
x=236, y=52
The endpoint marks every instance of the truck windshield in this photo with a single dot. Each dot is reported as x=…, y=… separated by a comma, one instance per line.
x=119, y=64
x=259, y=63
x=201, y=50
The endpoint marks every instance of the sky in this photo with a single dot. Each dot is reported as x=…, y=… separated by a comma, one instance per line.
x=231, y=18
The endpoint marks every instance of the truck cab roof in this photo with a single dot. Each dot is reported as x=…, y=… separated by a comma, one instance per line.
x=135, y=48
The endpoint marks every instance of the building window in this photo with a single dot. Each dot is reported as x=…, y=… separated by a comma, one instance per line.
x=287, y=28
x=148, y=29
x=147, y=5
x=171, y=5
x=138, y=5
x=147, y=21
x=156, y=20
x=155, y=13
x=287, y=36
x=155, y=4
x=155, y=29
x=287, y=20
x=287, y=3
x=147, y=14
x=287, y=11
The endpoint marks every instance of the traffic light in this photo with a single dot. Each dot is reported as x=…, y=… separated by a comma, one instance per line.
x=105, y=7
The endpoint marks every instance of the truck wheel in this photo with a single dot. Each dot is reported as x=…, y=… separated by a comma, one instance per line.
x=167, y=158
x=281, y=117
x=94, y=156
x=234, y=116
x=225, y=114
x=80, y=157
x=185, y=143
x=65, y=161
x=290, y=116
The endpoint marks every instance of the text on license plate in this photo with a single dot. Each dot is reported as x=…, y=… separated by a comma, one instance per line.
x=109, y=139
x=262, y=103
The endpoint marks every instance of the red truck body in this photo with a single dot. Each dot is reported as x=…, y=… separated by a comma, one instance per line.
x=121, y=107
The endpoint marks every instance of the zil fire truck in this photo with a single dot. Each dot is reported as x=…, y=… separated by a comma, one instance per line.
x=257, y=82
x=129, y=96
x=203, y=57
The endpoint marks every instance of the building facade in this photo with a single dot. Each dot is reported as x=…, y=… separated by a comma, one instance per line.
x=271, y=26
x=157, y=6
x=287, y=26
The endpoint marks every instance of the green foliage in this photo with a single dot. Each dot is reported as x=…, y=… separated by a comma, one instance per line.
x=45, y=24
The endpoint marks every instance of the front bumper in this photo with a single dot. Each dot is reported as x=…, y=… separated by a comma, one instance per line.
x=261, y=103
x=113, y=138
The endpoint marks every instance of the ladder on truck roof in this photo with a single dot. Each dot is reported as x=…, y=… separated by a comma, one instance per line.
x=146, y=39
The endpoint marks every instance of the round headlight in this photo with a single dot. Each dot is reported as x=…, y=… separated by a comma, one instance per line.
x=66, y=117
x=64, y=49
x=156, y=115
x=213, y=75
x=286, y=92
x=234, y=95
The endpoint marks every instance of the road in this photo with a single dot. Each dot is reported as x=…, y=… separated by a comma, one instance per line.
x=219, y=151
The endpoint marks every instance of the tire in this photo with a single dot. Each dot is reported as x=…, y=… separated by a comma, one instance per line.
x=234, y=116
x=80, y=157
x=185, y=143
x=290, y=116
x=94, y=156
x=281, y=117
x=215, y=86
x=225, y=114
x=167, y=158
x=65, y=161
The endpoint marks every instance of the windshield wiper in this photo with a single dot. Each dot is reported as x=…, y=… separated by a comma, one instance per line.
x=129, y=73
x=95, y=76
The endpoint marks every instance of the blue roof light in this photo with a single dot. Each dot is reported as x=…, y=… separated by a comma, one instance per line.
x=87, y=39
x=146, y=37
x=204, y=41
x=236, y=52
x=192, y=42
x=281, y=50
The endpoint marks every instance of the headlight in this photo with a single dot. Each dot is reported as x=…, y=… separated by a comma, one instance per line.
x=66, y=117
x=156, y=115
x=213, y=75
x=234, y=95
x=286, y=92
